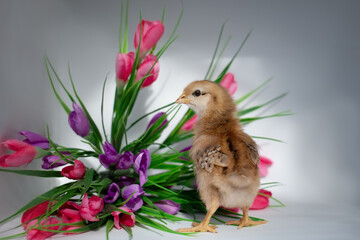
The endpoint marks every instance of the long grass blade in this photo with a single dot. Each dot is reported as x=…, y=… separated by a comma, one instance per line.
x=215, y=51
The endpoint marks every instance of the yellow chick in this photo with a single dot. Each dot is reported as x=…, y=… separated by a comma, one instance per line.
x=225, y=158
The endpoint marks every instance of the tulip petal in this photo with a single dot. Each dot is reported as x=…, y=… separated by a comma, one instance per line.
x=35, y=139
x=168, y=206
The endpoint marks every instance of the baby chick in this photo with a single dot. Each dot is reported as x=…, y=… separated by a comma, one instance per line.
x=225, y=158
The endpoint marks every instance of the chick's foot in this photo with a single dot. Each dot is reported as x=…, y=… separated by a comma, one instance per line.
x=198, y=227
x=245, y=222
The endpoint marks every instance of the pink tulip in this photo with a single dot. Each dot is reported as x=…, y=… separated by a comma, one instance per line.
x=70, y=213
x=24, y=153
x=144, y=68
x=150, y=35
x=34, y=212
x=124, y=64
x=263, y=165
x=91, y=207
x=37, y=234
x=121, y=218
x=190, y=123
x=229, y=83
x=261, y=201
x=75, y=172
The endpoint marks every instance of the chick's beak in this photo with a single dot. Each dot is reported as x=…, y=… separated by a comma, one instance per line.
x=182, y=99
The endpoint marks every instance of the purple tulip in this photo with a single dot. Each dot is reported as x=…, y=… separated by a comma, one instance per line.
x=124, y=181
x=35, y=139
x=78, y=121
x=141, y=165
x=110, y=156
x=113, y=193
x=126, y=160
x=135, y=202
x=155, y=118
x=53, y=161
x=168, y=206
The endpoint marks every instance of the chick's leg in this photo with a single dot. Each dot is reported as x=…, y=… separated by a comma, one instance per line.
x=245, y=221
x=204, y=225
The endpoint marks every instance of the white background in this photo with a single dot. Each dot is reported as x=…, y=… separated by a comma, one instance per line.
x=311, y=48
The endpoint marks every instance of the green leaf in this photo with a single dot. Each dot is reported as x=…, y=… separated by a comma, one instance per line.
x=125, y=39
x=148, y=222
x=59, y=80
x=120, y=26
x=251, y=109
x=89, y=175
x=246, y=96
x=102, y=108
x=62, y=103
x=215, y=51
x=34, y=173
x=219, y=57
x=93, y=126
x=222, y=74
x=252, y=119
x=267, y=138
x=109, y=226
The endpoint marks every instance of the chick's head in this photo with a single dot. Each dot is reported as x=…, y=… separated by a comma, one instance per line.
x=206, y=97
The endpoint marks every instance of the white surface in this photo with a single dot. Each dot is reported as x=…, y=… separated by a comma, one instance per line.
x=296, y=222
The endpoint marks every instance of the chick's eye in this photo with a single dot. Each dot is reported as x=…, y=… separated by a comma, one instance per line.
x=197, y=93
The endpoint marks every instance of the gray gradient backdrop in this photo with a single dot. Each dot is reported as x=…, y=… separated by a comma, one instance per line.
x=311, y=48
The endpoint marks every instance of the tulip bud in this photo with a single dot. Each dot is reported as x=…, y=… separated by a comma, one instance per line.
x=123, y=66
x=150, y=35
x=75, y=172
x=155, y=118
x=78, y=121
x=144, y=69
x=229, y=83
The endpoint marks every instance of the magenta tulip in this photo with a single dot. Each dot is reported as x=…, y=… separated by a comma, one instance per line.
x=35, y=212
x=123, y=66
x=151, y=33
x=144, y=69
x=261, y=200
x=190, y=123
x=91, y=207
x=37, y=234
x=121, y=218
x=75, y=172
x=24, y=153
x=229, y=83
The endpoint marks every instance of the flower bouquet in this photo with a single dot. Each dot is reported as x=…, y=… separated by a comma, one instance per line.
x=132, y=184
